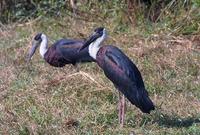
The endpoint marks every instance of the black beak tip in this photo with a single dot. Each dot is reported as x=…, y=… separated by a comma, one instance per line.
x=79, y=50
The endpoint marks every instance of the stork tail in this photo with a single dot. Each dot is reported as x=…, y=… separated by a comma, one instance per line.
x=140, y=99
x=143, y=101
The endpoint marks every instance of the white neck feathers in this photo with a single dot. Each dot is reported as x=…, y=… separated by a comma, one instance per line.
x=43, y=45
x=95, y=46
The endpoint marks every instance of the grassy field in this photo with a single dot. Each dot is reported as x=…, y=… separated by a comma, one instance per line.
x=36, y=98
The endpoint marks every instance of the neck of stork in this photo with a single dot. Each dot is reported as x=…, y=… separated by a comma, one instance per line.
x=43, y=45
x=95, y=46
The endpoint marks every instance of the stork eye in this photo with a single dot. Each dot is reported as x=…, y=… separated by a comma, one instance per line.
x=38, y=37
x=99, y=29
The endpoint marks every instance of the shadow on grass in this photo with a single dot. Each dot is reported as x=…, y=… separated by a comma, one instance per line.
x=176, y=121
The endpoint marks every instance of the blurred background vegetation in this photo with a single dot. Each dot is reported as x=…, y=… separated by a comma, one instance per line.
x=175, y=14
x=162, y=37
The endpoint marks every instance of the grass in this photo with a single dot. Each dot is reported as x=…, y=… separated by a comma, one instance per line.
x=39, y=99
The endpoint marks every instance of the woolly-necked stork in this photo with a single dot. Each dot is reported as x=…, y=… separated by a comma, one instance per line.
x=121, y=71
x=62, y=52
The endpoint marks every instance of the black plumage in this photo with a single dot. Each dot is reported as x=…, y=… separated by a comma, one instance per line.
x=62, y=52
x=65, y=51
x=120, y=70
x=125, y=76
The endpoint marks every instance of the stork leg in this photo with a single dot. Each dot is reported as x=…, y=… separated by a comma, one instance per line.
x=121, y=107
x=74, y=7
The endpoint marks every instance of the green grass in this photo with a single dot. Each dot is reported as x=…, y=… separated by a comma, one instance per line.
x=40, y=99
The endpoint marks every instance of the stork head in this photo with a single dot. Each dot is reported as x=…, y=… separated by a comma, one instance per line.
x=35, y=43
x=97, y=37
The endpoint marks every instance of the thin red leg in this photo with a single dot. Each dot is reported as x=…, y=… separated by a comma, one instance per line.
x=121, y=108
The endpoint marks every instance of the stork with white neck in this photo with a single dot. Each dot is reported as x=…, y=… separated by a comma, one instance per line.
x=62, y=52
x=121, y=71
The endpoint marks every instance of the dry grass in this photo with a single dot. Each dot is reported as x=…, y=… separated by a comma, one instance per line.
x=40, y=99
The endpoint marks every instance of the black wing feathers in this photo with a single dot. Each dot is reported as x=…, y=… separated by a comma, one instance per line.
x=68, y=48
x=127, y=78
